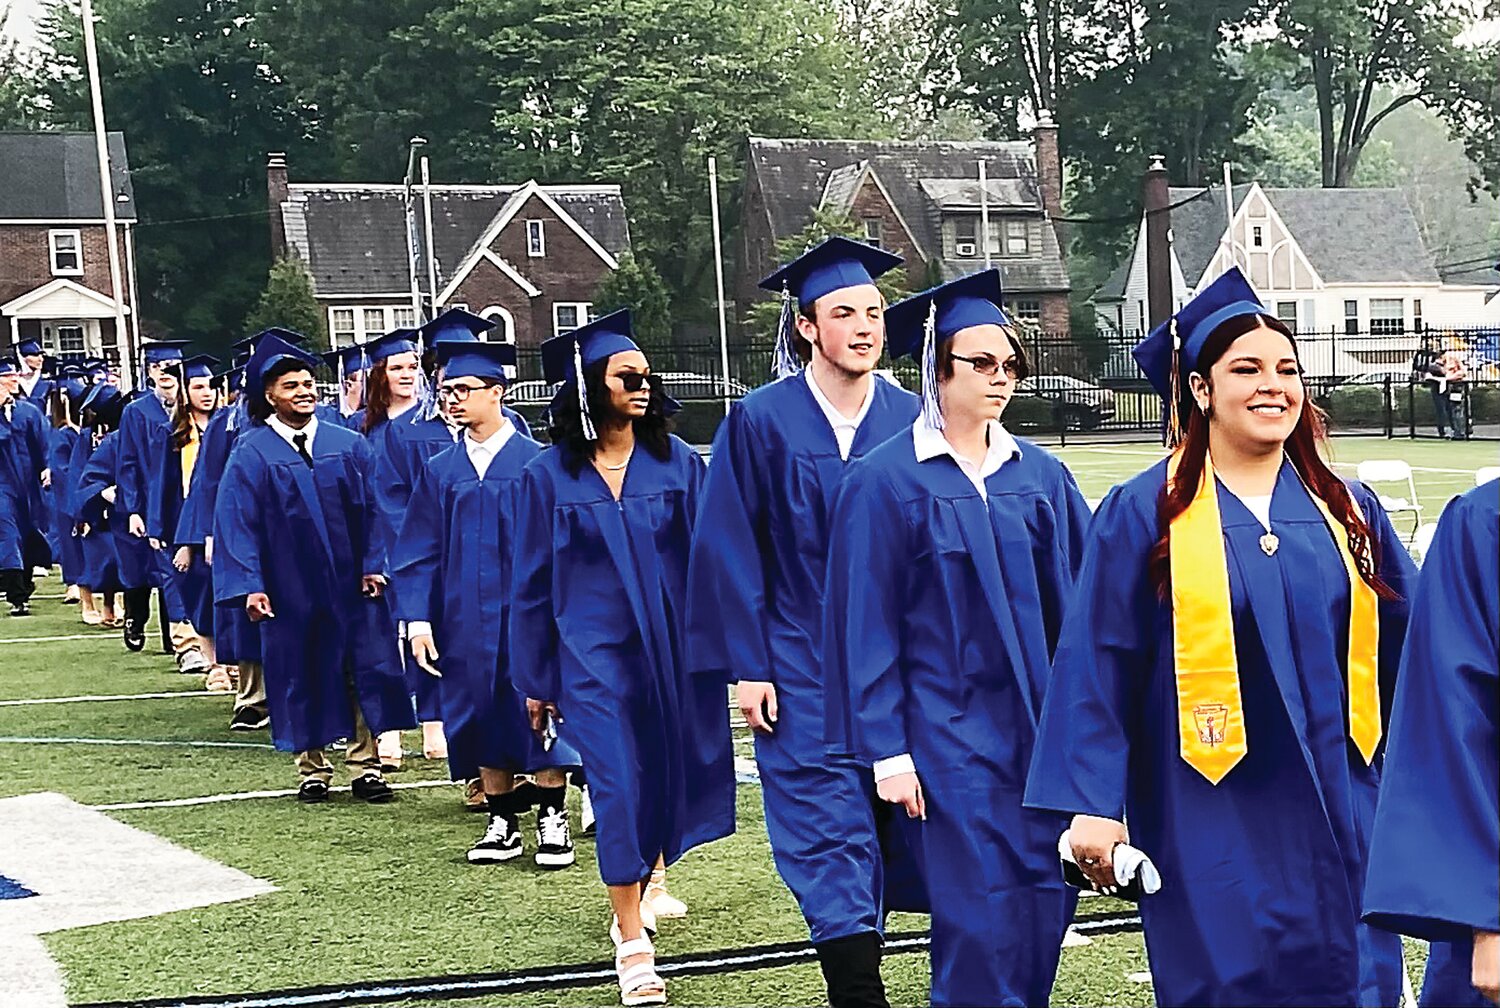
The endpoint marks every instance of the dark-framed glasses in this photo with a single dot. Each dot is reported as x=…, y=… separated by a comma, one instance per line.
x=460, y=393
x=988, y=366
x=634, y=381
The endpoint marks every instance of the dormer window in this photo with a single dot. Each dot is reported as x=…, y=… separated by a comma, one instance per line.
x=536, y=239
x=966, y=237
x=1017, y=238
x=67, y=252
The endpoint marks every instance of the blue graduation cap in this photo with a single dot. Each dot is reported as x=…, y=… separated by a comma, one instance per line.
x=76, y=389
x=102, y=396
x=163, y=351
x=1170, y=352
x=234, y=378
x=29, y=348
x=833, y=264
x=455, y=325
x=268, y=350
x=564, y=358
x=397, y=341
x=246, y=346
x=200, y=366
x=8, y=366
x=345, y=360
x=914, y=327
x=495, y=361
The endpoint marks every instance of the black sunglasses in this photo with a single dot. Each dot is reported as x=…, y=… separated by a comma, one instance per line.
x=989, y=366
x=634, y=381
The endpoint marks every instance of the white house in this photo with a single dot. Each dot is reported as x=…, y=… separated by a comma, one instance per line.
x=1349, y=263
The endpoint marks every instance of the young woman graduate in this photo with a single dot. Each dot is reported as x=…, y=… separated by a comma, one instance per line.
x=23, y=477
x=1220, y=676
x=451, y=567
x=64, y=408
x=1435, y=853
x=755, y=602
x=605, y=518
x=197, y=401
x=954, y=552
x=92, y=496
x=294, y=547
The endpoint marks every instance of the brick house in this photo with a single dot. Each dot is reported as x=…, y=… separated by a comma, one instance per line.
x=529, y=256
x=54, y=254
x=921, y=200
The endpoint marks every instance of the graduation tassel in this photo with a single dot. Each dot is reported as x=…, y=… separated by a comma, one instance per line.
x=932, y=413
x=784, y=360
x=1174, y=412
x=589, y=433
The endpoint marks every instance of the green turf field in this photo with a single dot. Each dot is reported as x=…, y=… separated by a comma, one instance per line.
x=369, y=894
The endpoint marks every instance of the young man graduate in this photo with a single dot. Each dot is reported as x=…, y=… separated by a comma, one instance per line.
x=294, y=548
x=755, y=597
x=35, y=385
x=1435, y=851
x=949, y=567
x=23, y=477
x=451, y=562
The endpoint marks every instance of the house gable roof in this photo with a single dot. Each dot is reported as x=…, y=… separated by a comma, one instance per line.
x=55, y=176
x=844, y=186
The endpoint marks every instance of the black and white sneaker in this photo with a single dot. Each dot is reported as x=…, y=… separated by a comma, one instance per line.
x=501, y=842
x=20, y=609
x=248, y=719
x=554, y=838
x=372, y=788
x=586, y=815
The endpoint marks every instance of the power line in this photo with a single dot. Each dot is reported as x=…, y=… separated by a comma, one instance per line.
x=196, y=220
x=1131, y=218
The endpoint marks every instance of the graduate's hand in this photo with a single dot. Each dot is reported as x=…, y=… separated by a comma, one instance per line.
x=371, y=585
x=208, y=550
x=182, y=558
x=108, y=493
x=136, y=526
x=905, y=790
x=82, y=530
x=258, y=607
x=538, y=710
x=757, y=702
x=1094, y=839
x=46, y=478
x=424, y=650
x=1486, y=975
x=154, y=542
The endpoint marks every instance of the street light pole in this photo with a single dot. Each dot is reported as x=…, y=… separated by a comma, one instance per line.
x=413, y=244
x=107, y=197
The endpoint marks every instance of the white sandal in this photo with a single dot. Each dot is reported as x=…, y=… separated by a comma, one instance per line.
x=648, y=924
x=662, y=903
x=639, y=984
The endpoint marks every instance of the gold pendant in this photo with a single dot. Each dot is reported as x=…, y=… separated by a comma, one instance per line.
x=1268, y=543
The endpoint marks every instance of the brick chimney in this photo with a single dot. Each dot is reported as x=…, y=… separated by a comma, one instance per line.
x=276, y=194
x=1049, y=173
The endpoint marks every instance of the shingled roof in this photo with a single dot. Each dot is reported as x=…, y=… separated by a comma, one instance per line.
x=353, y=237
x=55, y=176
x=922, y=177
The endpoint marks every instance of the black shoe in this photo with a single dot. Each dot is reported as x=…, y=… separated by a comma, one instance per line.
x=312, y=792
x=372, y=788
x=554, y=838
x=137, y=612
x=134, y=634
x=248, y=719
x=20, y=609
x=851, y=969
x=501, y=842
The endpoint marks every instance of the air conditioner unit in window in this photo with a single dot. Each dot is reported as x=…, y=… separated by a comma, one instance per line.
x=967, y=249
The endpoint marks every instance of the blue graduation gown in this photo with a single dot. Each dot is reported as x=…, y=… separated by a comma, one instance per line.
x=1262, y=873
x=236, y=639
x=452, y=568
x=38, y=394
x=755, y=612
x=595, y=626
x=1433, y=857
x=164, y=507
x=93, y=471
x=303, y=535
x=23, y=456
x=943, y=610
x=66, y=549
x=145, y=431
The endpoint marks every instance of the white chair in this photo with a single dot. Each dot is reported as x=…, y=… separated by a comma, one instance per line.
x=1377, y=471
x=1484, y=474
x=1423, y=542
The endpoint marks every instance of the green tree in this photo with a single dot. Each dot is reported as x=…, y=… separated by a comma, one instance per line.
x=288, y=301
x=636, y=285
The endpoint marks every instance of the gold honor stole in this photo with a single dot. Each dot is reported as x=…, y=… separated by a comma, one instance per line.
x=1210, y=714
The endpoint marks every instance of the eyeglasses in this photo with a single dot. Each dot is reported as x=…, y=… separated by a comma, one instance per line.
x=634, y=381
x=460, y=393
x=989, y=366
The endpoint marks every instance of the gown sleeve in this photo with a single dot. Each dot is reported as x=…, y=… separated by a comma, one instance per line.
x=134, y=477
x=726, y=627
x=1083, y=748
x=375, y=521
x=156, y=496
x=97, y=475
x=535, y=665
x=237, y=529
x=417, y=555
x=1074, y=518
x=1432, y=862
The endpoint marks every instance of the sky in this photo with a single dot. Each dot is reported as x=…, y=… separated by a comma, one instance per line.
x=21, y=23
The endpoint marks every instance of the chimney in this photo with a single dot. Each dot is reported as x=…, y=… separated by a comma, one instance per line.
x=1049, y=173
x=276, y=194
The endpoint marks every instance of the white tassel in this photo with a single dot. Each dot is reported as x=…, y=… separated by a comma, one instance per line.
x=932, y=413
x=589, y=433
x=784, y=361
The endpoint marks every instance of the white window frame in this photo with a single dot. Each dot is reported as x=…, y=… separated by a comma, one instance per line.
x=83, y=338
x=1016, y=230
x=1351, y=316
x=969, y=223
x=402, y=317
x=1385, y=324
x=1027, y=309
x=503, y=319
x=536, y=238
x=342, y=335
x=585, y=315
x=1257, y=237
x=77, y=250
x=874, y=231
x=1289, y=319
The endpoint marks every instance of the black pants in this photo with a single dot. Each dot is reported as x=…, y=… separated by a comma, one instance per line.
x=17, y=586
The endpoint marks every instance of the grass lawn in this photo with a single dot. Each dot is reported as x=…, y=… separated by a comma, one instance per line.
x=370, y=894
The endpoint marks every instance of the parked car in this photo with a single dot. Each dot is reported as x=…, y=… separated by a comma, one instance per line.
x=1399, y=377
x=680, y=385
x=1084, y=406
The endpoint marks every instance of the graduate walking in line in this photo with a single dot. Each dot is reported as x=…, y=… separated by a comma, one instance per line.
x=64, y=408
x=1435, y=854
x=23, y=478
x=451, y=566
x=605, y=519
x=1219, y=681
x=92, y=496
x=294, y=547
x=952, y=558
x=755, y=602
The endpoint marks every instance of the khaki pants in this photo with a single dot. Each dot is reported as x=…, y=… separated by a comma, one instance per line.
x=184, y=639
x=361, y=757
x=252, y=690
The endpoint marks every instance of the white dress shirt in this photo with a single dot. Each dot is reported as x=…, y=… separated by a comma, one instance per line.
x=482, y=453
x=28, y=382
x=844, y=428
x=287, y=433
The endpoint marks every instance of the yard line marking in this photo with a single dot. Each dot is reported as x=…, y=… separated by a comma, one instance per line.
x=246, y=795
x=96, y=635
x=1415, y=468
x=550, y=977
x=115, y=696
x=197, y=743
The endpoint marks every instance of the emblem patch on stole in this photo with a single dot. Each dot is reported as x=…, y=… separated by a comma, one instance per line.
x=1211, y=719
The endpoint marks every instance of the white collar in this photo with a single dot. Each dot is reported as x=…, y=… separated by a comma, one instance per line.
x=930, y=443
x=831, y=412
x=494, y=442
x=287, y=433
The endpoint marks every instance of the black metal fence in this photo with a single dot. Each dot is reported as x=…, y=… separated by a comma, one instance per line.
x=1369, y=383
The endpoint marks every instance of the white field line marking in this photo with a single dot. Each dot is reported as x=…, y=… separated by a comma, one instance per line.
x=119, y=696
x=196, y=743
x=246, y=795
x=96, y=635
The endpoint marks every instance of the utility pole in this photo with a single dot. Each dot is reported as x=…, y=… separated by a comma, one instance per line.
x=128, y=351
x=1157, y=203
x=413, y=243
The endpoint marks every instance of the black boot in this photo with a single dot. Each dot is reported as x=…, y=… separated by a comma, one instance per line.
x=851, y=969
x=137, y=612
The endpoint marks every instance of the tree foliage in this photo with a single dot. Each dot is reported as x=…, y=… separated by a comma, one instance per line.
x=636, y=285
x=288, y=301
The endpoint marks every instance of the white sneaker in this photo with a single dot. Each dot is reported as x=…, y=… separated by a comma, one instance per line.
x=586, y=816
x=554, y=838
x=662, y=903
x=193, y=662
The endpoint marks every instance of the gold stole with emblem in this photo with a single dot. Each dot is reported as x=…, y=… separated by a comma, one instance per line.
x=1210, y=714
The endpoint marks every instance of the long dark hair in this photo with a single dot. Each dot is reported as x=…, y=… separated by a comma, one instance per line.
x=60, y=407
x=565, y=422
x=183, y=421
x=1302, y=447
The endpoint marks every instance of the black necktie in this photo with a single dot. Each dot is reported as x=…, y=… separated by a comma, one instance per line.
x=300, y=440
